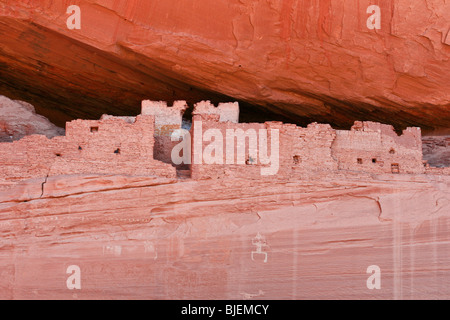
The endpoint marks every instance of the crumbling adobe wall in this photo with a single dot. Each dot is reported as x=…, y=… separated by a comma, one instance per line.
x=248, y=168
x=167, y=120
x=128, y=145
x=374, y=147
x=30, y=157
x=305, y=151
x=225, y=116
x=227, y=112
x=108, y=146
x=301, y=150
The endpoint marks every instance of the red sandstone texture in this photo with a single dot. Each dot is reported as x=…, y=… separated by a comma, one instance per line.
x=310, y=231
x=147, y=238
x=310, y=60
x=106, y=197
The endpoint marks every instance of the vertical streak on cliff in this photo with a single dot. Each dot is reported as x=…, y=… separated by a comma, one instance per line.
x=325, y=18
x=397, y=249
x=324, y=26
x=434, y=243
x=239, y=270
x=391, y=22
x=412, y=259
x=302, y=18
x=286, y=26
x=295, y=261
x=358, y=14
x=387, y=15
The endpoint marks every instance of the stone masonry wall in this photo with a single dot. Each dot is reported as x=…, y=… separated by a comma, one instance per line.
x=249, y=169
x=129, y=145
x=227, y=112
x=317, y=149
x=106, y=146
x=376, y=148
x=301, y=150
x=167, y=120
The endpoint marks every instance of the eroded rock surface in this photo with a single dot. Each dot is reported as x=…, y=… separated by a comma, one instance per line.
x=309, y=60
x=147, y=238
x=19, y=119
x=436, y=150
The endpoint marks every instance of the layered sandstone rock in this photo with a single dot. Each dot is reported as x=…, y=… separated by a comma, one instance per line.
x=96, y=200
x=147, y=238
x=310, y=60
x=99, y=199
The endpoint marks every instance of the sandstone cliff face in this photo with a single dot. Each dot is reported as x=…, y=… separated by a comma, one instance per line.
x=312, y=60
x=146, y=238
x=19, y=119
x=140, y=237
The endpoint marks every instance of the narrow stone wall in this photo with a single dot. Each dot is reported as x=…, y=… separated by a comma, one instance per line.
x=108, y=146
x=374, y=147
x=167, y=120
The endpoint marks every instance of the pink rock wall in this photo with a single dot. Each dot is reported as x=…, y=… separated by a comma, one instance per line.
x=319, y=149
x=227, y=112
x=204, y=170
x=147, y=238
x=167, y=120
x=375, y=147
x=126, y=145
x=312, y=58
x=93, y=146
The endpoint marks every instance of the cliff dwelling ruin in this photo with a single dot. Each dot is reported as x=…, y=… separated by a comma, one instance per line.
x=143, y=145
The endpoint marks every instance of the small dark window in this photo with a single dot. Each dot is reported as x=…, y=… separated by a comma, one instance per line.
x=297, y=159
x=395, y=168
x=94, y=129
x=117, y=151
x=392, y=151
x=80, y=148
x=359, y=161
x=374, y=160
x=58, y=154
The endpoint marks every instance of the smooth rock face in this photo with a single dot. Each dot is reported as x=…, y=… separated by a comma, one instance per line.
x=19, y=119
x=312, y=60
x=147, y=238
